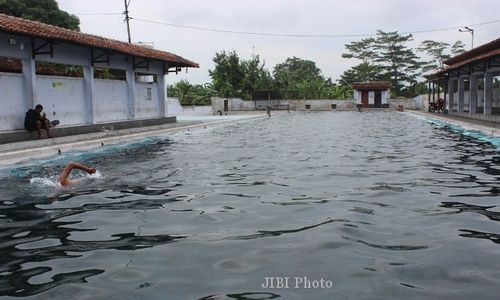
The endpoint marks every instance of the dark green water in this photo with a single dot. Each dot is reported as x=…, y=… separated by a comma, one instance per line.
x=382, y=205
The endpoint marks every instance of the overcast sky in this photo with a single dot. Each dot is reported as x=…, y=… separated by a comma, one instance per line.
x=315, y=17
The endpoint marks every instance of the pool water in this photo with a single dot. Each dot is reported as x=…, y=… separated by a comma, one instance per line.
x=379, y=205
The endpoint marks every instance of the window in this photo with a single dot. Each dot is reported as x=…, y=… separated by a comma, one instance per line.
x=308, y=106
x=149, y=94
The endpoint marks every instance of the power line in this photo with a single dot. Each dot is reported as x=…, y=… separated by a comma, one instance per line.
x=99, y=14
x=290, y=35
x=304, y=35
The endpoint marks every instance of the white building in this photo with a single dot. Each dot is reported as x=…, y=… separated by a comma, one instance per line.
x=471, y=83
x=84, y=102
x=372, y=94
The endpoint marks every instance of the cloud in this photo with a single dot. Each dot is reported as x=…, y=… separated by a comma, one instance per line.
x=282, y=16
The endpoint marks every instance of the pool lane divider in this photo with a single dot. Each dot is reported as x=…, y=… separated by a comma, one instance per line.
x=38, y=149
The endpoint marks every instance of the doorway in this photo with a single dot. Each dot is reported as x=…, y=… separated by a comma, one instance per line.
x=378, y=99
x=364, y=98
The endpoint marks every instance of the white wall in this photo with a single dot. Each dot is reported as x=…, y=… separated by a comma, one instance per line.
x=62, y=98
x=385, y=96
x=110, y=100
x=357, y=96
x=237, y=104
x=175, y=109
x=13, y=108
x=65, y=98
x=145, y=108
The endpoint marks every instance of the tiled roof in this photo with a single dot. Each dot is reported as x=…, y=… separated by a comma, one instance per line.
x=372, y=85
x=44, y=31
x=480, y=53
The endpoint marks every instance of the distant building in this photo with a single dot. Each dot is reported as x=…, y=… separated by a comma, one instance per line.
x=137, y=95
x=470, y=82
x=372, y=94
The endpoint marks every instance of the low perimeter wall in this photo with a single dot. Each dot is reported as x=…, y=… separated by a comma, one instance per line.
x=174, y=108
x=24, y=135
x=237, y=104
x=406, y=103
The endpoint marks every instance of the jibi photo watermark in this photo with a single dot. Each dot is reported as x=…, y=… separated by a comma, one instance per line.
x=300, y=282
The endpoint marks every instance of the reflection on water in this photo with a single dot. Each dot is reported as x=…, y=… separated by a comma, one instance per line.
x=384, y=205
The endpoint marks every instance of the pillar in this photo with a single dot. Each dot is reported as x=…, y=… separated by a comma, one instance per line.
x=131, y=91
x=434, y=94
x=429, y=96
x=488, y=89
x=162, y=95
x=473, y=94
x=88, y=81
x=29, y=74
x=450, y=94
x=445, y=91
x=461, y=94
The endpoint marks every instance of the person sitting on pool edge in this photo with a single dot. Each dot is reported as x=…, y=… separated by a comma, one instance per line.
x=35, y=120
x=64, y=177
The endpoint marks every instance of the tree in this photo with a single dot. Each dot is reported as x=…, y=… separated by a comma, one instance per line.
x=385, y=57
x=45, y=11
x=436, y=50
x=295, y=74
x=439, y=52
x=362, y=72
x=362, y=50
x=458, y=48
x=227, y=76
x=256, y=77
x=189, y=94
x=400, y=63
x=235, y=77
x=337, y=91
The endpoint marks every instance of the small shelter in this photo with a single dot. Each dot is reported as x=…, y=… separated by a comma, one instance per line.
x=87, y=101
x=469, y=83
x=373, y=94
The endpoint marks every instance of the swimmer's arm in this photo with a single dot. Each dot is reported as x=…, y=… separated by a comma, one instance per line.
x=82, y=167
x=63, y=177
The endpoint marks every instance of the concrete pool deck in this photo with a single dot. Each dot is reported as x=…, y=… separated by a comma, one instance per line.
x=12, y=153
x=485, y=127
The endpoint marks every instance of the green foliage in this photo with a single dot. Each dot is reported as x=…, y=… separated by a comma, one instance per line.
x=362, y=50
x=416, y=88
x=436, y=51
x=439, y=52
x=338, y=91
x=295, y=79
x=361, y=73
x=189, y=94
x=45, y=11
x=399, y=62
x=458, y=48
x=386, y=57
x=256, y=77
x=227, y=75
x=234, y=77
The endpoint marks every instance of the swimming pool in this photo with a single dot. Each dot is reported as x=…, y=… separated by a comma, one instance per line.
x=374, y=205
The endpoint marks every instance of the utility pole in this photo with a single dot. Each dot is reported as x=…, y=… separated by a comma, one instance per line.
x=467, y=29
x=127, y=18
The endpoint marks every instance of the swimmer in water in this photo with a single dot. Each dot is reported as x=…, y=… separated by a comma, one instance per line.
x=64, y=177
